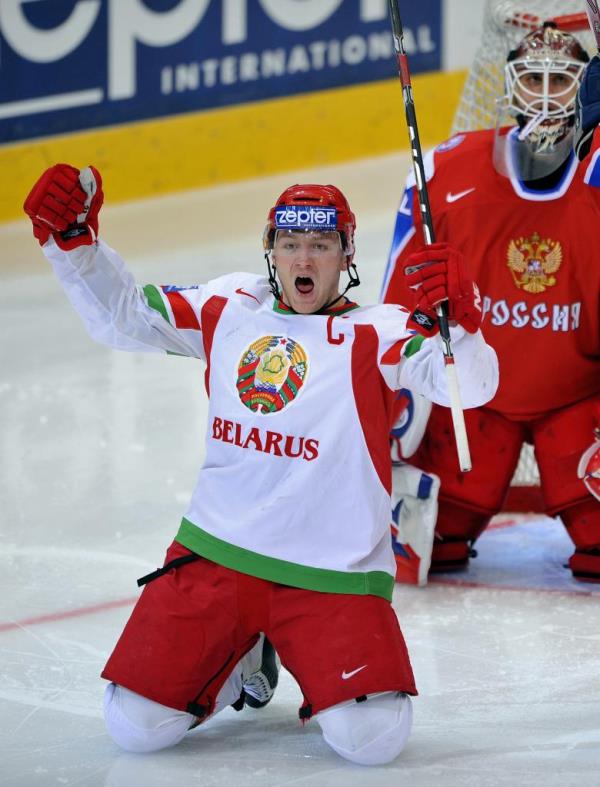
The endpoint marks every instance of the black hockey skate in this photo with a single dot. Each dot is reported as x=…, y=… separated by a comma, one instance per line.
x=260, y=686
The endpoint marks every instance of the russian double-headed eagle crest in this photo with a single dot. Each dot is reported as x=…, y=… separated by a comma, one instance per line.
x=533, y=262
x=270, y=373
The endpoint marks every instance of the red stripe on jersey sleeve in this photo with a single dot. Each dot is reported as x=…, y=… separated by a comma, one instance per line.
x=373, y=401
x=392, y=356
x=210, y=316
x=185, y=316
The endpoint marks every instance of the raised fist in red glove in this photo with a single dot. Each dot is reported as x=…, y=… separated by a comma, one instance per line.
x=438, y=273
x=65, y=203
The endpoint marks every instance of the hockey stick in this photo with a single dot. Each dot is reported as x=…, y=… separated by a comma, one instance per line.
x=593, y=12
x=458, y=418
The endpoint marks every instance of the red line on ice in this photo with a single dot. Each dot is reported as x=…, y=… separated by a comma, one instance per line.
x=69, y=613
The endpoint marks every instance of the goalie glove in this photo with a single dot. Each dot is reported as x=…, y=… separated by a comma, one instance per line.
x=65, y=203
x=438, y=273
x=589, y=467
x=587, y=114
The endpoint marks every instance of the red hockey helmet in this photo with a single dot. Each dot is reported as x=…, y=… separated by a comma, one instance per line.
x=312, y=207
x=551, y=43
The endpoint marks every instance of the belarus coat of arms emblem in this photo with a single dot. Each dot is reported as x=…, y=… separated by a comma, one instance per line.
x=270, y=373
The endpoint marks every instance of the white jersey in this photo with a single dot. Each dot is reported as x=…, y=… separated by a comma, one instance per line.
x=295, y=486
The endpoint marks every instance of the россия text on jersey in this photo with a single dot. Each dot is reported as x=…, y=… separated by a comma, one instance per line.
x=555, y=316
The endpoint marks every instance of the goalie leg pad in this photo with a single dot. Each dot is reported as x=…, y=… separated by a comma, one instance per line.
x=495, y=445
x=457, y=528
x=583, y=523
x=369, y=732
x=585, y=565
x=450, y=555
x=468, y=501
x=560, y=439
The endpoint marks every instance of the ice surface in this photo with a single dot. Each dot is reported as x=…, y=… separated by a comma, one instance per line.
x=99, y=454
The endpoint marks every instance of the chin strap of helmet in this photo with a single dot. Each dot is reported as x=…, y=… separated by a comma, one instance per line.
x=273, y=283
x=354, y=281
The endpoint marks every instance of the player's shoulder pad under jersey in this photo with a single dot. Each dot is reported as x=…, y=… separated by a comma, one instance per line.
x=461, y=145
x=388, y=318
x=234, y=285
x=450, y=144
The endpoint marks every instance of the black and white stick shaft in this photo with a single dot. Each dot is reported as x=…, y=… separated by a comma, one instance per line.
x=458, y=418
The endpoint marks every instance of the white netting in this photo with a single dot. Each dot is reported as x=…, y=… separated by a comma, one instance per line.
x=527, y=473
x=504, y=25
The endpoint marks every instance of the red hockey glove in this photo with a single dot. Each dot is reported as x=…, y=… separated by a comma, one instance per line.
x=437, y=273
x=65, y=203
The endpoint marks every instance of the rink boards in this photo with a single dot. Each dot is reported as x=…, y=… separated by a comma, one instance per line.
x=196, y=93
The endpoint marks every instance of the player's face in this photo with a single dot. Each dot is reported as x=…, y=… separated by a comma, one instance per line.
x=560, y=87
x=308, y=266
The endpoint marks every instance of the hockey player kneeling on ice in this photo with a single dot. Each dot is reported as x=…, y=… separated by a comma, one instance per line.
x=525, y=213
x=285, y=543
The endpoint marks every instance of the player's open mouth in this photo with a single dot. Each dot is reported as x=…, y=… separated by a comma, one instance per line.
x=304, y=284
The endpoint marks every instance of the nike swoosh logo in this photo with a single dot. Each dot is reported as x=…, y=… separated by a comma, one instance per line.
x=248, y=294
x=450, y=197
x=346, y=675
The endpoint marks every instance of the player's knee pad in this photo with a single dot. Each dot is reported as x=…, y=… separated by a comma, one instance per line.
x=560, y=440
x=373, y=732
x=138, y=724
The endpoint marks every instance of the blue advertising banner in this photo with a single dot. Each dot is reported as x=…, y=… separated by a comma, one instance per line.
x=68, y=65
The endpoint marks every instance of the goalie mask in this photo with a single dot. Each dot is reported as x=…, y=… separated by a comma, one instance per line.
x=542, y=77
x=311, y=208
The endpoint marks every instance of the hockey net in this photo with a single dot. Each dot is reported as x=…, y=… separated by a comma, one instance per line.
x=505, y=23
